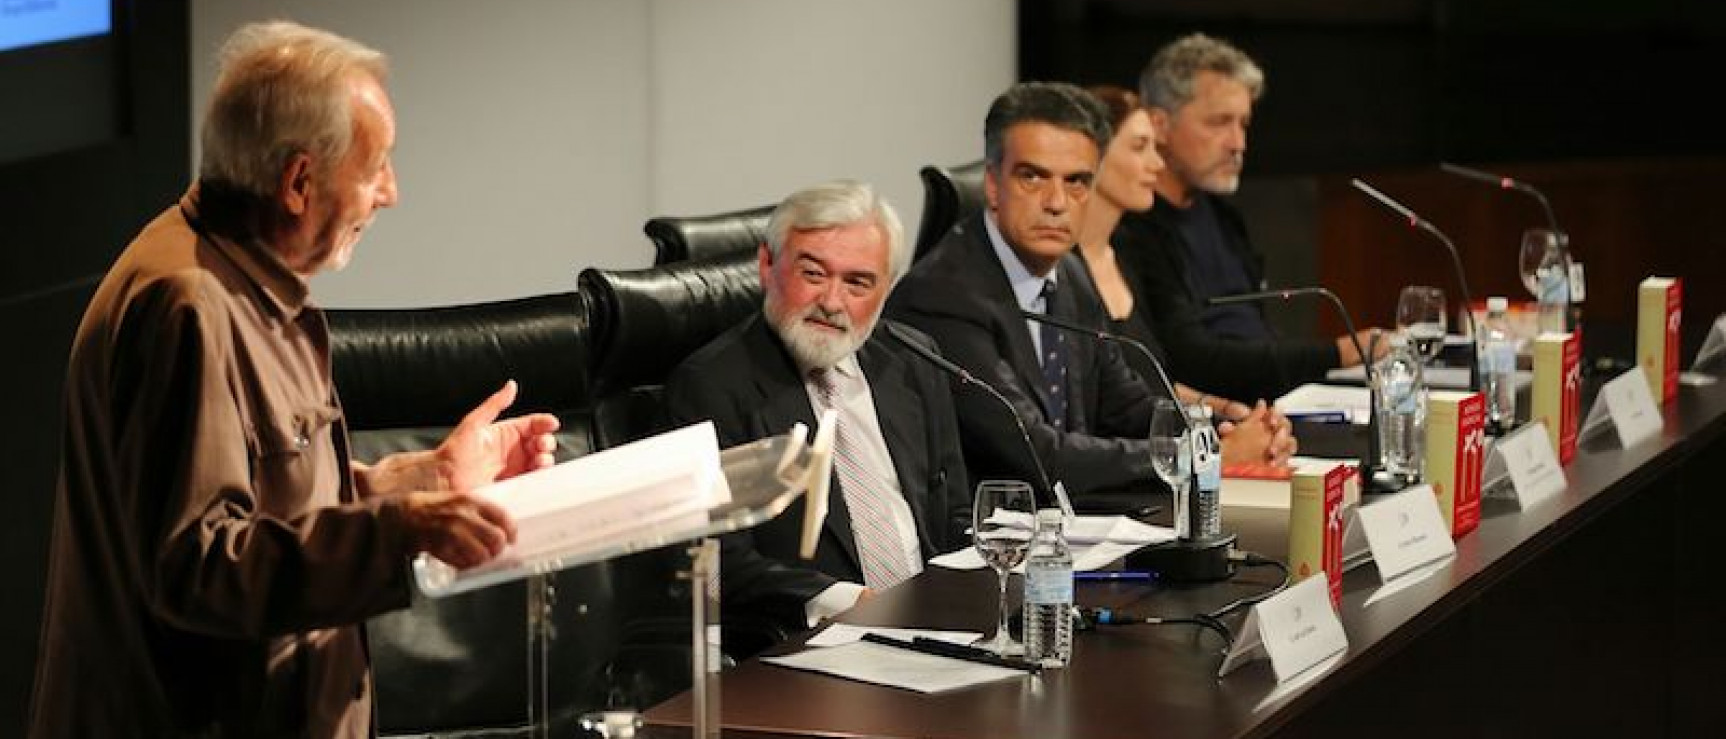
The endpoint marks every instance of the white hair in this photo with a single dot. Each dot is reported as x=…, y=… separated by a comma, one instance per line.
x=283, y=89
x=840, y=203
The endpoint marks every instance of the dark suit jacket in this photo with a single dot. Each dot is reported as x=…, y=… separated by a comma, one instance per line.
x=959, y=294
x=747, y=383
x=1152, y=256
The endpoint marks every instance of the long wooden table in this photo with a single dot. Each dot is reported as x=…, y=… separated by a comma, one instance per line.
x=1587, y=615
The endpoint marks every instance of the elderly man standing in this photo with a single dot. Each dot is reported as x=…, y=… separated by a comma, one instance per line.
x=214, y=549
x=833, y=253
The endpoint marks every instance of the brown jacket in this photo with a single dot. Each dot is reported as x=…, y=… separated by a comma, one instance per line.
x=210, y=561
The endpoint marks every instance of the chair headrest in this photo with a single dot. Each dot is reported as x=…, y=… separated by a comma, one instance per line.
x=950, y=195
x=646, y=321
x=430, y=366
x=679, y=238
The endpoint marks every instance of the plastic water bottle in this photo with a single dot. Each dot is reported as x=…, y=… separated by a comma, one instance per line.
x=1401, y=412
x=1498, y=367
x=1552, y=278
x=1049, y=594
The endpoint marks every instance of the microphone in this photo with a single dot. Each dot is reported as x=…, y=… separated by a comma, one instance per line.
x=1202, y=554
x=1504, y=183
x=1065, y=325
x=1415, y=221
x=1369, y=464
x=1574, y=311
x=1054, y=490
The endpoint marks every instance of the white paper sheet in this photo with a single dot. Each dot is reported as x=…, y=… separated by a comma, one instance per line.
x=1442, y=378
x=897, y=668
x=837, y=634
x=1086, y=557
x=1314, y=398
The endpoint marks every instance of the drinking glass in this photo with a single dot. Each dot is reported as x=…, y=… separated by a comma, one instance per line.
x=1002, y=520
x=1420, y=315
x=1171, y=455
x=1536, y=242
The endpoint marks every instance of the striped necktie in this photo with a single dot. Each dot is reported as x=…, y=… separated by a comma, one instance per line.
x=1054, y=361
x=879, y=544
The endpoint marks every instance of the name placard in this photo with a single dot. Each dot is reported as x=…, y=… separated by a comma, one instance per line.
x=1296, y=628
x=1405, y=531
x=1627, y=405
x=1526, y=457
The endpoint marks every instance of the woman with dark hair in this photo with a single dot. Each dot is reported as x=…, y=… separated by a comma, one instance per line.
x=1125, y=182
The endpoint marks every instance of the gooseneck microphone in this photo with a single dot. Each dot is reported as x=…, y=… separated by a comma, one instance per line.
x=1574, y=311
x=1054, y=491
x=1370, y=466
x=1203, y=554
x=1065, y=325
x=1415, y=221
x=1503, y=183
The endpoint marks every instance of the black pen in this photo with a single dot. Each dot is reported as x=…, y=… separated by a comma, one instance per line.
x=1133, y=575
x=954, y=651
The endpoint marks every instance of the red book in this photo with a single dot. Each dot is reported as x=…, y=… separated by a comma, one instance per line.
x=1455, y=459
x=1558, y=390
x=1659, y=313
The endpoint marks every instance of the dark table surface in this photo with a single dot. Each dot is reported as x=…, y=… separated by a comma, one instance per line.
x=1130, y=681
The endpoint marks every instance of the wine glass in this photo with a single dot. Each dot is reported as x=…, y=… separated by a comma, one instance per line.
x=1420, y=315
x=1001, y=527
x=1171, y=456
x=1536, y=242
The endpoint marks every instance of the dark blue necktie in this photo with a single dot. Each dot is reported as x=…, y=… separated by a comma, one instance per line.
x=1054, y=361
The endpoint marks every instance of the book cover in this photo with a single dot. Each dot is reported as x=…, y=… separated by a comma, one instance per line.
x=1659, y=313
x=1558, y=390
x=1315, y=524
x=1455, y=441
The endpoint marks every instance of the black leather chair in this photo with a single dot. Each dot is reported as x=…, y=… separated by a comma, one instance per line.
x=679, y=238
x=950, y=195
x=645, y=323
x=456, y=666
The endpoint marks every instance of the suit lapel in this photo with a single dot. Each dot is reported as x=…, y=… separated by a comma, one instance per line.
x=784, y=403
x=902, y=426
x=986, y=275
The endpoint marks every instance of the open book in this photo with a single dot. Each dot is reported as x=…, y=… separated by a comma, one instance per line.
x=659, y=490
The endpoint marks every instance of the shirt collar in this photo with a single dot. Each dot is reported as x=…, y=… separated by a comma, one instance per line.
x=1027, y=288
x=285, y=291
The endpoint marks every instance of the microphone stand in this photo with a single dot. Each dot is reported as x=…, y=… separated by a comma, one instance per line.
x=1573, y=313
x=1416, y=221
x=1053, y=490
x=1374, y=479
x=1504, y=183
x=1191, y=558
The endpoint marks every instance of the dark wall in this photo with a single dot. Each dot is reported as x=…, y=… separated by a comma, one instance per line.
x=1377, y=84
x=66, y=215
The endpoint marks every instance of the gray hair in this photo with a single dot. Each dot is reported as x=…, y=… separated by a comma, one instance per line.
x=1056, y=103
x=1167, y=81
x=282, y=90
x=834, y=204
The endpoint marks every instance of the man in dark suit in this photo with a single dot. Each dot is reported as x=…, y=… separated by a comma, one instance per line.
x=1088, y=414
x=833, y=252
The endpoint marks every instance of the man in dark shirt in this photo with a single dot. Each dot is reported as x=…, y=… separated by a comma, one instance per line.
x=1193, y=245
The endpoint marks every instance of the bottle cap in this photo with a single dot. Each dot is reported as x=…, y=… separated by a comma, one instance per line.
x=1398, y=340
x=1497, y=304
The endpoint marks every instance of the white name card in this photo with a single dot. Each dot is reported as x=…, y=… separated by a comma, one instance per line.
x=1526, y=457
x=1296, y=628
x=1405, y=531
x=1627, y=407
x=1713, y=347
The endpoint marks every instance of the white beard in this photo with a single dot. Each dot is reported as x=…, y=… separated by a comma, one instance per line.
x=815, y=348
